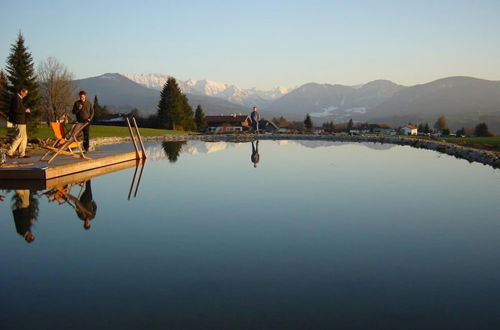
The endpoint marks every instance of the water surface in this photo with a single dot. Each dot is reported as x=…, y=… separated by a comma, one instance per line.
x=293, y=235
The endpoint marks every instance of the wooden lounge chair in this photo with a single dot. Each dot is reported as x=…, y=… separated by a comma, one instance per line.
x=65, y=142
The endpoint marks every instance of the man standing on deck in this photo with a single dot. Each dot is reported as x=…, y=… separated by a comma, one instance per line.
x=84, y=112
x=17, y=116
x=255, y=117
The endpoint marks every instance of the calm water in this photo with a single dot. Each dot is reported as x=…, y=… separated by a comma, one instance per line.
x=318, y=235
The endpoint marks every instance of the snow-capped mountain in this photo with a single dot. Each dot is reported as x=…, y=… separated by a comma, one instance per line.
x=232, y=93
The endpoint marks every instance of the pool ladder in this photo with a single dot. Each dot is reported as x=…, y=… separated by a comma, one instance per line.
x=141, y=155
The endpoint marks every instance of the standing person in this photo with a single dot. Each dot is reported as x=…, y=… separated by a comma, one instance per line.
x=255, y=154
x=84, y=112
x=23, y=215
x=255, y=117
x=17, y=116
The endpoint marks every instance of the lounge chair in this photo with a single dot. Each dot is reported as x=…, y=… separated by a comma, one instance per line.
x=65, y=142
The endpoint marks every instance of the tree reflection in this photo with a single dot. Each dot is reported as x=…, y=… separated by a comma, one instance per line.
x=173, y=149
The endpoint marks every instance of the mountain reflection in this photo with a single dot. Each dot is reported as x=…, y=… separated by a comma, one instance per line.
x=173, y=149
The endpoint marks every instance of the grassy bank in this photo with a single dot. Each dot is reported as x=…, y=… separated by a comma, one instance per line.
x=102, y=131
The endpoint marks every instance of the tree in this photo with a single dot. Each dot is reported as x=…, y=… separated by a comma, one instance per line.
x=441, y=124
x=427, y=129
x=308, y=124
x=99, y=111
x=21, y=73
x=199, y=119
x=4, y=95
x=482, y=130
x=56, y=89
x=174, y=111
x=172, y=149
x=350, y=125
x=460, y=132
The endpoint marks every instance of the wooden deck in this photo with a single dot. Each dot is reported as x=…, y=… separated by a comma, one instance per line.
x=32, y=169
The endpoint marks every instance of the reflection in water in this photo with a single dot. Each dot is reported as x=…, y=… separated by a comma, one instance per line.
x=173, y=149
x=83, y=203
x=255, y=154
x=25, y=212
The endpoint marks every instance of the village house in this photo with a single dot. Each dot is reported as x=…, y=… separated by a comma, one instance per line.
x=228, y=123
x=382, y=129
x=409, y=129
x=268, y=126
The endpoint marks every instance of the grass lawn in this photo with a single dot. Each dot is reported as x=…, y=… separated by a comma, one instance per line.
x=103, y=131
x=493, y=141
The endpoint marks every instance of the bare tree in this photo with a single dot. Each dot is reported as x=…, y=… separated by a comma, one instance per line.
x=57, y=90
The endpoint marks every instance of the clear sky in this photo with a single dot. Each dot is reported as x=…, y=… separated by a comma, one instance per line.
x=263, y=44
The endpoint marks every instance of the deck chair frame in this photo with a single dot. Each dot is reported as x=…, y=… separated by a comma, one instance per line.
x=70, y=137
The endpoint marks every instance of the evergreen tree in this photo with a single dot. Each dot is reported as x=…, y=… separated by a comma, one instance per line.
x=482, y=130
x=199, y=119
x=172, y=149
x=350, y=125
x=460, y=132
x=427, y=129
x=21, y=73
x=308, y=124
x=174, y=111
x=4, y=95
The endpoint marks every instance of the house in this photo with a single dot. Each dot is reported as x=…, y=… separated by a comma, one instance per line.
x=409, y=129
x=382, y=129
x=228, y=123
x=268, y=126
x=112, y=120
x=360, y=128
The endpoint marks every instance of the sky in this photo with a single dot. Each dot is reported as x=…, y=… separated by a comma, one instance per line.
x=263, y=44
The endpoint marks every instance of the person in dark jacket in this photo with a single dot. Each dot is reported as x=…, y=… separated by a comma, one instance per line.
x=86, y=207
x=255, y=117
x=255, y=154
x=84, y=112
x=17, y=116
x=23, y=216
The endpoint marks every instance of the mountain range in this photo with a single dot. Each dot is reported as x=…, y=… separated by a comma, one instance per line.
x=465, y=101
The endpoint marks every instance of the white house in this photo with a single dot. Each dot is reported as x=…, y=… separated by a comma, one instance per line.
x=409, y=129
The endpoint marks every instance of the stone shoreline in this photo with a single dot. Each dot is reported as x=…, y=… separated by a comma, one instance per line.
x=485, y=157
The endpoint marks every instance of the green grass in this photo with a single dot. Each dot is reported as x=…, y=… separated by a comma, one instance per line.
x=103, y=131
x=493, y=141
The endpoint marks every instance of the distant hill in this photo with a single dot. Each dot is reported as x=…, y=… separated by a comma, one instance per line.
x=464, y=101
x=120, y=93
x=336, y=102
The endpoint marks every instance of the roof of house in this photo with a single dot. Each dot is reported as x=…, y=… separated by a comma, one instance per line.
x=227, y=119
x=411, y=126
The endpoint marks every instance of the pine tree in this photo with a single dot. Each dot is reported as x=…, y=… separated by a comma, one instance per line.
x=308, y=124
x=21, y=73
x=99, y=111
x=482, y=130
x=4, y=95
x=172, y=149
x=174, y=111
x=350, y=125
x=427, y=129
x=199, y=119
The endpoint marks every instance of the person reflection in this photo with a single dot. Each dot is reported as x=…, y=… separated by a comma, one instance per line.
x=25, y=214
x=255, y=154
x=86, y=207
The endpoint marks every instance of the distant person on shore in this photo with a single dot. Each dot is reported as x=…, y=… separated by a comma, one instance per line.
x=255, y=117
x=17, y=116
x=255, y=154
x=84, y=112
x=23, y=216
